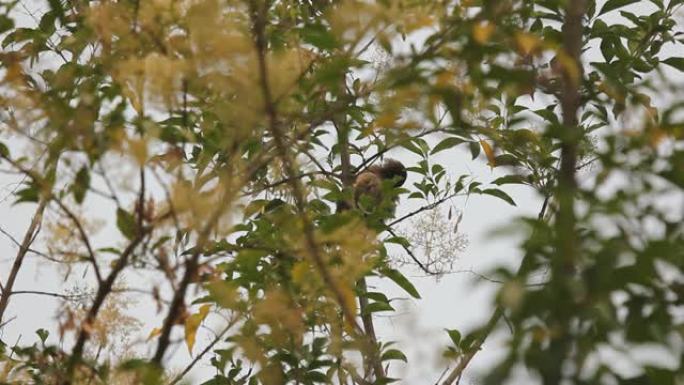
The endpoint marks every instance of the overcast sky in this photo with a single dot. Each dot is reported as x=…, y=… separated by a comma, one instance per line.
x=456, y=301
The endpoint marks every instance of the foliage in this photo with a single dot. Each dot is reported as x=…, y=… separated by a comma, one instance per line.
x=208, y=143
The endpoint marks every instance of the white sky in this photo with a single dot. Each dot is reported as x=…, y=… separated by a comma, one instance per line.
x=454, y=302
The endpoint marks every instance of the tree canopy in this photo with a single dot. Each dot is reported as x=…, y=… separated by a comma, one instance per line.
x=207, y=146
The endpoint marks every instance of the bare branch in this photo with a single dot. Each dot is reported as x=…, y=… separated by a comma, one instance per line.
x=49, y=294
x=83, y=235
x=29, y=237
x=427, y=207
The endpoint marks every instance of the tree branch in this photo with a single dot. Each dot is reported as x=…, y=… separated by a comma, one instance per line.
x=427, y=207
x=29, y=237
x=257, y=14
x=565, y=223
x=84, y=237
x=373, y=357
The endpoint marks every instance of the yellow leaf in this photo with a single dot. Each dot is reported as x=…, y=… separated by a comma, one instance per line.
x=138, y=149
x=349, y=304
x=568, y=65
x=512, y=294
x=489, y=152
x=483, y=31
x=349, y=298
x=418, y=21
x=656, y=136
x=444, y=79
x=192, y=323
x=527, y=43
x=386, y=120
x=224, y=293
x=155, y=332
x=612, y=92
x=300, y=272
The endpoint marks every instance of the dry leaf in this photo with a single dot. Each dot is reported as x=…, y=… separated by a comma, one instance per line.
x=192, y=323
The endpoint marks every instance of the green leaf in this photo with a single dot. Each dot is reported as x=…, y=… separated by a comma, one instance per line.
x=18, y=35
x=409, y=145
x=5, y=23
x=110, y=250
x=47, y=23
x=125, y=221
x=376, y=307
x=393, y=354
x=319, y=36
x=506, y=160
x=499, y=194
x=473, y=186
x=254, y=207
x=316, y=377
x=509, y=179
x=423, y=145
x=81, y=184
x=399, y=241
x=29, y=194
x=4, y=151
x=376, y=296
x=58, y=8
x=402, y=281
x=447, y=144
x=607, y=50
x=547, y=114
x=612, y=5
x=455, y=336
x=676, y=62
x=474, y=149
x=42, y=334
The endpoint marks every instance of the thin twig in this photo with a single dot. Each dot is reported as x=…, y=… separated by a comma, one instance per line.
x=427, y=207
x=83, y=235
x=199, y=356
x=16, y=242
x=412, y=255
x=49, y=294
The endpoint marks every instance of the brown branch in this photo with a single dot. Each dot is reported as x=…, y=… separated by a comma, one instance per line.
x=285, y=181
x=108, y=183
x=49, y=294
x=30, y=250
x=412, y=255
x=373, y=357
x=477, y=345
x=257, y=15
x=104, y=289
x=565, y=224
x=191, y=268
x=262, y=158
x=29, y=237
x=566, y=241
x=427, y=207
x=177, y=303
x=192, y=263
x=84, y=237
x=399, y=142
